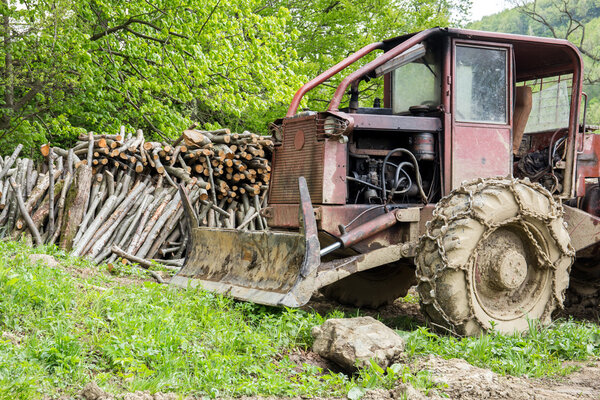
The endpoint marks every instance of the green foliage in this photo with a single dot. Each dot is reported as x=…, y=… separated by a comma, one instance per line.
x=72, y=67
x=95, y=65
x=375, y=377
x=56, y=332
x=324, y=32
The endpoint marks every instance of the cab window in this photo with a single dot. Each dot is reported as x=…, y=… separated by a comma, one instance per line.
x=417, y=83
x=481, y=84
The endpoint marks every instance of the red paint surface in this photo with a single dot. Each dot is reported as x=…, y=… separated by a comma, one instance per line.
x=480, y=151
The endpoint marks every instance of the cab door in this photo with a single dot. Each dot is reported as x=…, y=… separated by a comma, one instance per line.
x=481, y=110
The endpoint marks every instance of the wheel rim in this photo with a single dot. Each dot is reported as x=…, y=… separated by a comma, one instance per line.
x=509, y=277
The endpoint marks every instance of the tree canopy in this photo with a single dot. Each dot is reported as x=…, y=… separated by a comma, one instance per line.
x=73, y=66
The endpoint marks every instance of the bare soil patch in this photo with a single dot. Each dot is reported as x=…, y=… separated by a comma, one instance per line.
x=465, y=381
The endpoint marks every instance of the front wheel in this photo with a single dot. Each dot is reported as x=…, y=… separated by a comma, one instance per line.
x=495, y=254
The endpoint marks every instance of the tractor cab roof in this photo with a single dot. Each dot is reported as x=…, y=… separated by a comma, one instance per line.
x=534, y=56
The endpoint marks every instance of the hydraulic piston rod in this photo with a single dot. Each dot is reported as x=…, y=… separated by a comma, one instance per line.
x=364, y=231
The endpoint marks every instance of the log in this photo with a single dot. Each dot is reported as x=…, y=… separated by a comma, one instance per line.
x=64, y=153
x=41, y=213
x=147, y=200
x=171, y=225
x=88, y=216
x=259, y=220
x=104, y=233
x=195, y=139
x=142, y=262
x=177, y=263
x=34, y=231
x=39, y=190
x=11, y=160
x=76, y=200
x=171, y=208
x=51, y=225
x=84, y=240
x=145, y=227
x=61, y=207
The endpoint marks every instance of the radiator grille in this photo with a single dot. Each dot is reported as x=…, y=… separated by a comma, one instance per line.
x=289, y=163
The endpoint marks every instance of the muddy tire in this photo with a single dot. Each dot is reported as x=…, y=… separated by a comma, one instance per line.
x=496, y=254
x=373, y=288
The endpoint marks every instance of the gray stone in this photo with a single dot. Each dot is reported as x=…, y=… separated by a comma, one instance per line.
x=352, y=342
x=92, y=391
x=45, y=258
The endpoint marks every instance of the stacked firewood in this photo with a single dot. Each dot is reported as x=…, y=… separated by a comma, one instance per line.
x=120, y=196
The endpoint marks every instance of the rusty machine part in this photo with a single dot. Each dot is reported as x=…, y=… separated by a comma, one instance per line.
x=496, y=254
x=583, y=294
x=375, y=287
x=361, y=197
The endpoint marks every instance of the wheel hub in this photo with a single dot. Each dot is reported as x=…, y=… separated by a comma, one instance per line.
x=508, y=279
x=510, y=270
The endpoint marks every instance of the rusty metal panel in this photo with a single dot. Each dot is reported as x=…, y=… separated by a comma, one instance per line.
x=396, y=123
x=300, y=154
x=583, y=228
x=330, y=217
x=480, y=151
x=334, y=172
x=588, y=161
x=273, y=268
x=258, y=260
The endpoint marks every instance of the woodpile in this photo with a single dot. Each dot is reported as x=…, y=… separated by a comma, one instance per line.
x=119, y=196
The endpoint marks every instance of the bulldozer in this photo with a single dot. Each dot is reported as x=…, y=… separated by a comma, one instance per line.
x=473, y=175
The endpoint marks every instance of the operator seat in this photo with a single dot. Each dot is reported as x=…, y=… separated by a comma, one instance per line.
x=523, y=102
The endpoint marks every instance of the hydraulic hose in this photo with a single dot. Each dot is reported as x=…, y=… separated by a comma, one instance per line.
x=417, y=173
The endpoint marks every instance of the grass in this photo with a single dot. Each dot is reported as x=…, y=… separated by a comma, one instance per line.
x=541, y=351
x=57, y=335
x=58, y=332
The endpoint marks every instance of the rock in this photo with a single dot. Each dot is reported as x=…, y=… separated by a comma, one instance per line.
x=402, y=391
x=145, y=395
x=407, y=391
x=45, y=258
x=92, y=391
x=354, y=341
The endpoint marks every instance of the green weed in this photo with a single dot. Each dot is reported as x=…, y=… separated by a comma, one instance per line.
x=58, y=334
x=375, y=377
x=539, y=352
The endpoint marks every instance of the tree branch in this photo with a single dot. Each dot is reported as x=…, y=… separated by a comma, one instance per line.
x=125, y=26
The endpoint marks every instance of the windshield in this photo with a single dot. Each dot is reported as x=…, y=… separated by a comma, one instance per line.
x=417, y=83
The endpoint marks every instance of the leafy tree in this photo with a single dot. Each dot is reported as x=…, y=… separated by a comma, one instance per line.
x=75, y=66
x=157, y=65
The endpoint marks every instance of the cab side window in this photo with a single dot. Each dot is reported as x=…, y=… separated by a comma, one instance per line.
x=481, y=87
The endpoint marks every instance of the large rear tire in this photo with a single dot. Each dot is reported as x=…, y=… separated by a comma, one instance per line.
x=373, y=288
x=495, y=255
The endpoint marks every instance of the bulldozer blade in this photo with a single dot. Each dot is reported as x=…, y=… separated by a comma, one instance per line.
x=265, y=267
